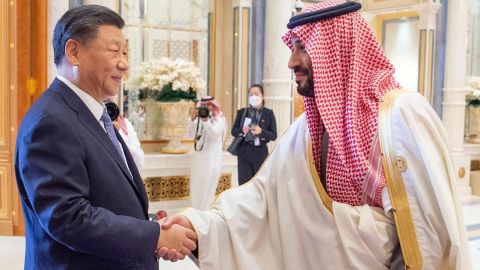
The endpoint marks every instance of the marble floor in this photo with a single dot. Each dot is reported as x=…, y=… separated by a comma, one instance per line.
x=12, y=250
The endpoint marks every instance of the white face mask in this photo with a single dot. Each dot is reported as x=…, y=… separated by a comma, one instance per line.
x=254, y=101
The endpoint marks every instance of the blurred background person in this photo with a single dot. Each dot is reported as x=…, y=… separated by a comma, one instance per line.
x=257, y=126
x=128, y=133
x=209, y=128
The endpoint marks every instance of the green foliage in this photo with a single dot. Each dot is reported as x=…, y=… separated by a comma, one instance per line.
x=473, y=101
x=167, y=94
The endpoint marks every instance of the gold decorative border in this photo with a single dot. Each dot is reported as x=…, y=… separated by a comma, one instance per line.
x=398, y=196
x=167, y=188
x=421, y=63
x=326, y=200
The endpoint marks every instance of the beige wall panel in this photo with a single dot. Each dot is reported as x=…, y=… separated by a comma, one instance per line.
x=386, y=4
x=6, y=222
x=223, y=57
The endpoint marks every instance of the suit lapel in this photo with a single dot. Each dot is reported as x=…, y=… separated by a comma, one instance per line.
x=86, y=117
x=263, y=116
x=137, y=179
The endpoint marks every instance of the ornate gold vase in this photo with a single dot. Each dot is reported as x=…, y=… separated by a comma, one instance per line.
x=472, y=124
x=168, y=121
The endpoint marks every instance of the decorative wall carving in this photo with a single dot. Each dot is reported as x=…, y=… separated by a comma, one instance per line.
x=166, y=188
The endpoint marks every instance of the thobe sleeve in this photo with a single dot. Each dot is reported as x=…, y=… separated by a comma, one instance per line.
x=216, y=128
x=417, y=135
x=238, y=232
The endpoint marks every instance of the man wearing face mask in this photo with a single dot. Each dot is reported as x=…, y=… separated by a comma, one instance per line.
x=258, y=126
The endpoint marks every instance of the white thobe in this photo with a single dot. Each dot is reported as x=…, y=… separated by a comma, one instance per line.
x=131, y=140
x=279, y=221
x=206, y=163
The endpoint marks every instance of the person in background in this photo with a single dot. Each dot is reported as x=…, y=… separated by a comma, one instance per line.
x=209, y=129
x=258, y=126
x=129, y=135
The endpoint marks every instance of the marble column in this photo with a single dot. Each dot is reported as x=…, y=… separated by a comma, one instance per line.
x=241, y=50
x=277, y=77
x=258, y=35
x=453, y=115
x=56, y=8
x=427, y=24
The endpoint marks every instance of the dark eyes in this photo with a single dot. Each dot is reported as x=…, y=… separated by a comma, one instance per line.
x=117, y=51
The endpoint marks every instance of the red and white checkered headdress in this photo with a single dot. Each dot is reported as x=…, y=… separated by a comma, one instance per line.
x=351, y=74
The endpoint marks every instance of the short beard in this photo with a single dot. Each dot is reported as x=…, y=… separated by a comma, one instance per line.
x=307, y=89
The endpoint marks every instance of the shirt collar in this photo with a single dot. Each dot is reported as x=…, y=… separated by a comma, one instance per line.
x=92, y=104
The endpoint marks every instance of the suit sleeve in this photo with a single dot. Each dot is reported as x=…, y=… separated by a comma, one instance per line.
x=53, y=168
x=237, y=129
x=269, y=133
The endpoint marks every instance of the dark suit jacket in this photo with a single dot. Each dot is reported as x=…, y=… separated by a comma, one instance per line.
x=82, y=208
x=267, y=123
x=247, y=150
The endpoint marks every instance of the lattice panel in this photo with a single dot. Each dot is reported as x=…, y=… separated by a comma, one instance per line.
x=181, y=49
x=159, y=48
x=166, y=188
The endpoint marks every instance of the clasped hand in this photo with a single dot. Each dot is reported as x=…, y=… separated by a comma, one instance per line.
x=255, y=130
x=177, y=238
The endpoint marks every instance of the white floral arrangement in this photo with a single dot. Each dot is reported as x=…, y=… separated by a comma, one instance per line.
x=473, y=94
x=165, y=79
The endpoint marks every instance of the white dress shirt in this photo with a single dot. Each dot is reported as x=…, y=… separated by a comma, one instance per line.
x=92, y=104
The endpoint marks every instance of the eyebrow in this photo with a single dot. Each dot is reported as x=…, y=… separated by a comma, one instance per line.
x=297, y=42
x=118, y=42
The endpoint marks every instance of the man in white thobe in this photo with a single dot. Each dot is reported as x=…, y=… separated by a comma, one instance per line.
x=364, y=175
x=206, y=163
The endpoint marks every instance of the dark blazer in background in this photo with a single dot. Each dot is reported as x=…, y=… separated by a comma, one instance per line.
x=251, y=157
x=82, y=208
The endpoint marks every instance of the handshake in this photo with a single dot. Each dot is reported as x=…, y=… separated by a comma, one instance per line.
x=177, y=237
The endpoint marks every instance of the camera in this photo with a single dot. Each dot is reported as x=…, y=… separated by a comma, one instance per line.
x=203, y=112
x=112, y=109
x=299, y=5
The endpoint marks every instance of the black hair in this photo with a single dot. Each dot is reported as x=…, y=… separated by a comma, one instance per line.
x=259, y=86
x=82, y=23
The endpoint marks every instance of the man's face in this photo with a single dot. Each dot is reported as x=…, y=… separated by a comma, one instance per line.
x=301, y=64
x=103, y=61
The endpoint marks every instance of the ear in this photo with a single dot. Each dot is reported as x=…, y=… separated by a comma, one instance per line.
x=72, y=52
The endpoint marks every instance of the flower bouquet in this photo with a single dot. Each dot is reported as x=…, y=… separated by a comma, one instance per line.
x=167, y=89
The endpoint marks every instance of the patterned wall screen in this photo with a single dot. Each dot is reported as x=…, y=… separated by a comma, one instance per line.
x=164, y=28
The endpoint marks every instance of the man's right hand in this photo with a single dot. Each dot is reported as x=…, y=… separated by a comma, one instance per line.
x=170, y=222
x=175, y=242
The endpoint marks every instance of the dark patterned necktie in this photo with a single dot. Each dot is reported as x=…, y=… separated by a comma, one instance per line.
x=111, y=134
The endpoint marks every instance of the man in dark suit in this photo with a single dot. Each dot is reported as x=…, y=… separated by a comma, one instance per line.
x=84, y=201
